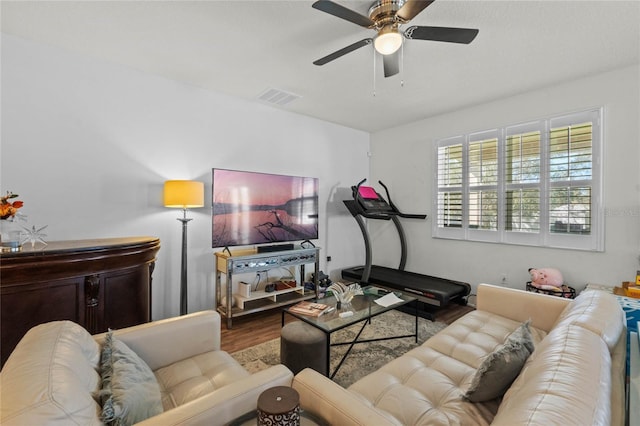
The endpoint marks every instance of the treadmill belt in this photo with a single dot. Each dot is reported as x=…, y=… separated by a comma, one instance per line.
x=434, y=289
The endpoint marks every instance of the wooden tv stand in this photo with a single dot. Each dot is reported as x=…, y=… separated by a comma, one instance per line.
x=100, y=284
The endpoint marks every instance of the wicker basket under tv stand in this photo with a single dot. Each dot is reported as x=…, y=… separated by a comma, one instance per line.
x=249, y=261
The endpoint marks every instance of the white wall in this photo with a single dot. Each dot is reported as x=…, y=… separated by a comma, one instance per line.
x=88, y=145
x=403, y=159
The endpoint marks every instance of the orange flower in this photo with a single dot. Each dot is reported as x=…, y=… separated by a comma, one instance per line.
x=9, y=209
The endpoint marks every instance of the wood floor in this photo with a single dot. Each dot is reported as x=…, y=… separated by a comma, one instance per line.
x=251, y=330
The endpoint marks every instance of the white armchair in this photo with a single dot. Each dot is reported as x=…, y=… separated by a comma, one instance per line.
x=52, y=376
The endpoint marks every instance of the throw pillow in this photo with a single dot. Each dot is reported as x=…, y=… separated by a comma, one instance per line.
x=501, y=367
x=130, y=392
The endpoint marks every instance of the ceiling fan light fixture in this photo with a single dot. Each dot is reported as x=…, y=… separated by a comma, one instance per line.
x=388, y=41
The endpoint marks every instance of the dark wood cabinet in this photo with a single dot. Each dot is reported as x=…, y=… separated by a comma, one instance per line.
x=100, y=284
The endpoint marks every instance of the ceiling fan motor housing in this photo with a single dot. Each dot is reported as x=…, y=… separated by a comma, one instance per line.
x=383, y=12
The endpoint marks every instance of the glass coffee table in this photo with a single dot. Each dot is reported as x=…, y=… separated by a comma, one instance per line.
x=363, y=308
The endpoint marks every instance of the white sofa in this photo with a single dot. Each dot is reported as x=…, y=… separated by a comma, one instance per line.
x=575, y=375
x=52, y=375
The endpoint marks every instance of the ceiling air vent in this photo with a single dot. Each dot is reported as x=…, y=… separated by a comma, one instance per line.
x=278, y=97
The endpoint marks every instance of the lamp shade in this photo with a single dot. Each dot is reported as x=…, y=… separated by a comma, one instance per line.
x=183, y=194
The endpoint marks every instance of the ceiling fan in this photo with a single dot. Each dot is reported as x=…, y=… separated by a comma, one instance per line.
x=385, y=17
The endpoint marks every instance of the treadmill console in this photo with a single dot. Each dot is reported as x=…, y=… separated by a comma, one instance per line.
x=371, y=201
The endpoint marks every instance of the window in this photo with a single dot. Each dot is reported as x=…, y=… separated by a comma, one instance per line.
x=535, y=183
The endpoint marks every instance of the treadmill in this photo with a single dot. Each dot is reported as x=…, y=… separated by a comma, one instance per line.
x=434, y=291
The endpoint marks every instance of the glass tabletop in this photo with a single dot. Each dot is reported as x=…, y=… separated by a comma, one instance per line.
x=362, y=307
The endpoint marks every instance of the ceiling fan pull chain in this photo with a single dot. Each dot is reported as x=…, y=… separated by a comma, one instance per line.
x=374, y=73
x=402, y=65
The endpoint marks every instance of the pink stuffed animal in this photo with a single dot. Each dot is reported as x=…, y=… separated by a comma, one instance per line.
x=546, y=278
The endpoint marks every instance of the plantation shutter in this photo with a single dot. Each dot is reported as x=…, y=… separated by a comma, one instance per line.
x=449, y=183
x=482, y=177
x=523, y=190
x=573, y=205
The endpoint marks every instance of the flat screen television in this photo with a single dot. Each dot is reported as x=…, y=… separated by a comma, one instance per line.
x=257, y=208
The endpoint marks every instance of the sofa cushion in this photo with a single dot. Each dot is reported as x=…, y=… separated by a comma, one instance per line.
x=567, y=377
x=500, y=368
x=52, y=374
x=189, y=379
x=130, y=392
x=597, y=311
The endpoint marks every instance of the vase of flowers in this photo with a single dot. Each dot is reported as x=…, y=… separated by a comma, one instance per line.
x=9, y=229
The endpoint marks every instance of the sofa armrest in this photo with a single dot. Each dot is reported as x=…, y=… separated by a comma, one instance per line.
x=335, y=404
x=520, y=305
x=163, y=342
x=227, y=403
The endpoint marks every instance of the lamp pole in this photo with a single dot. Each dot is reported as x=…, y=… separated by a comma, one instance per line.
x=183, y=275
x=184, y=194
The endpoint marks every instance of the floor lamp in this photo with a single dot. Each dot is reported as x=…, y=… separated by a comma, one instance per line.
x=183, y=194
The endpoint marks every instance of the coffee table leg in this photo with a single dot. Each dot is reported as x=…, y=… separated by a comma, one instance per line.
x=351, y=344
x=328, y=355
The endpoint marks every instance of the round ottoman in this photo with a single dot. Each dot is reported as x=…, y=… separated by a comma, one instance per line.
x=302, y=346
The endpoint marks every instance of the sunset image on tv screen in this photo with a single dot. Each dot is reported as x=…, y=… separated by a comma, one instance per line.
x=256, y=208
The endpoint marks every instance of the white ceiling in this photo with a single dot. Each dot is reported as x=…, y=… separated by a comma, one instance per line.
x=242, y=48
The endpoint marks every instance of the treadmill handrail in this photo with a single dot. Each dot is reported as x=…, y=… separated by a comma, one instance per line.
x=396, y=209
x=412, y=216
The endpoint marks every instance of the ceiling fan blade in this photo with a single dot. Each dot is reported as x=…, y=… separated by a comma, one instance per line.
x=451, y=35
x=411, y=9
x=342, y=12
x=343, y=51
x=391, y=63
